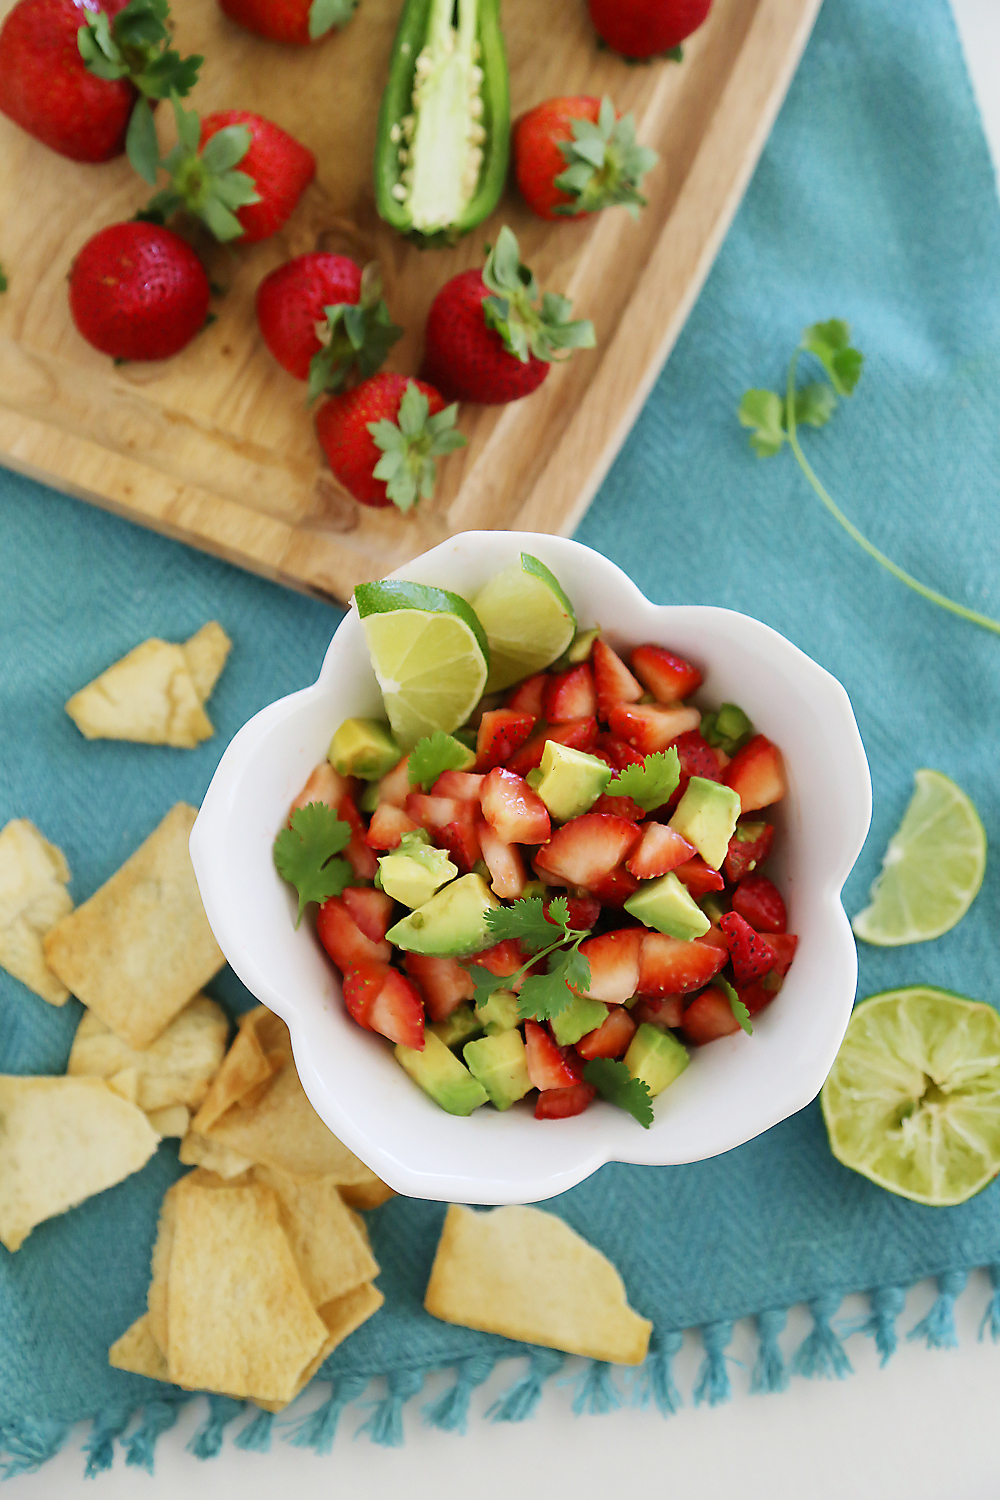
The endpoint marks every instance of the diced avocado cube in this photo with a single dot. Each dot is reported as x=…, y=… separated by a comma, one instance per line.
x=412, y=873
x=713, y=906
x=579, y=1017
x=729, y=728
x=500, y=1064
x=666, y=904
x=452, y=922
x=442, y=1076
x=368, y=798
x=571, y=780
x=499, y=1013
x=706, y=816
x=363, y=747
x=461, y=1026
x=657, y=1057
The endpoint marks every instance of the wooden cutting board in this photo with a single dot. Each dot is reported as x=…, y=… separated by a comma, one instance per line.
x=216, y=447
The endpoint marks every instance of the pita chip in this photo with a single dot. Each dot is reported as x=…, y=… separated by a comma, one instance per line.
x=33, y=897
x=205, y=654
x=148, y=696
x=175, y=1069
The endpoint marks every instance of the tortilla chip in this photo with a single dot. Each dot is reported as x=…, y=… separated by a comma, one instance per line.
x=138, y=1352
x=368, y=1191
x=140, y=948
x=148, y=697
x=246, y=1066
x=341, y=1319
x=63, y=1140
x=239, y=1319
x=33, y=897
x=205, y=654
x=284, y=1131
x=156, y=1296
x=175, y=1069
x=172, y=1121
x=125, y=1084
x=525, y=1274
x=332, y=1257
x=198, y=1151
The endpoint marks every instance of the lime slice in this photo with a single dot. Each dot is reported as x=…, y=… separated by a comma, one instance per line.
x=429, y=653
x=527, y=618
x=913, y=1099
x=932, y=869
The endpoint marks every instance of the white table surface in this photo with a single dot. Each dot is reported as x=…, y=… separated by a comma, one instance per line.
x=923, y=1428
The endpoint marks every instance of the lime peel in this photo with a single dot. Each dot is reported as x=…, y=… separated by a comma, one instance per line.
x=528, y=618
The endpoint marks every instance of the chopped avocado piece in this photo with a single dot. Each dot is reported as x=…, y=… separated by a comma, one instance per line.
x=667, y=905
x=467, y=737
x=571, y=780
x=729, y=728
x=500, y=1064
x=706, y=816
x=581, y=646
x=579, y=1017
x=657, y=1057
x=713, y=906
x=532, y=889
x=415, y=870
x=457, y=1028
x=441, y=1075
x=363, y=747
x=368, y=798
x=499, y=1013
x=452, y=922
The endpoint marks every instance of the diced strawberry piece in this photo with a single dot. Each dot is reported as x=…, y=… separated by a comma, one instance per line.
x=715, y=938
x=358, y=854
x=583, y=912
x=324, y=785
x=699, y=877
x=570, y=695
x=756, y=996
x=614, y=964
x=611, y=1038
x=387, y=826
x=749, y=847
x=648, y=727
x=461, y=843
x=395, y=784
x=462, y=786
x=578, y=734
x=361, y=986
x=697, y=758
x=328, y=786
x=613, y=681
x=503, y=959
x=512, y=809
x=660, y=849
x=757, y=774
x=529, y=696
x=672, y=966
x=444, y=984
x=559, y=1104
x=616, y=887
x=343, y=939
x=751, y=955
x=619, y=753
x=667, y=1012
x=372, y=910
x=435, y=812
x=760, y=903
x=782, y=945
x=549, y=1066
x=668, y=677
x=501, y=732
x=708, y=1017
x=504, y=862
x=587, y=848
x=398, y=1012
x=619, y=807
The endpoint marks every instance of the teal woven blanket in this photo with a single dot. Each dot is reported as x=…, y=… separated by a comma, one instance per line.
x=874, y=202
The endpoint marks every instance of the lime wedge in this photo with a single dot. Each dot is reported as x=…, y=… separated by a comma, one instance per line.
x=527, y=618
x=429, y=653
x=932, y=869
x=913, y=1099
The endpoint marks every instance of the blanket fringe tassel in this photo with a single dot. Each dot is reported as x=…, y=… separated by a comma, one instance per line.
x=821, y=1352
x=886, y=1303
x=991, y=1317
x=255, y=1437
x=596, y=1392
x=207, y=1441
x=938, y=1327
x=450, y=1412
x=385, y=1425
x=769, y=1372
x=654, y=1379
x=29, y=1442
x=519, y=1403
x=157, y=1418
x=318, y=1430
x=713, y=1377
x=100, y=1445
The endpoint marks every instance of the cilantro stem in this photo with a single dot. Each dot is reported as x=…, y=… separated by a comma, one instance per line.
x=886, y=562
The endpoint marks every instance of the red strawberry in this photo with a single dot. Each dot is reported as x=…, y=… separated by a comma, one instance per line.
x=611, y=1038
x=398, y=1012
x=485, y=340
x=501, y=732
x=297, y=21
x=372, y=910
x=575, y=155
x=756, y=996
x=324, y=785
x=504, y=862
x=343, y=939
x=671, y=966
x=578, y=734
x=394, y=463
x=659, y=850
x=618, y=753
x=648, y=727
x=708, y=1017
x=387, y=827
x=622, y=807
x=461, y=786
x=280, y=166
x=432, y=812
x=460, y=840
x=749, y=847
x=362, y=982
x=549, y=1066
x=666, y=1012
x=570, y=695
x=444, y=984
x=138, y=292
x=587, y=848
x=697, y=758
x=668, y=677
x=528, y=697
x=614, y=964
x=699, y=877
x=327, y=785
x=503, y=959
x=358, y=852
x=559, y=1104
x=612, y=679
x=516, y=813
x=616, y=887
x=760, y=903
x=757, y=774
x=394, y=787
x=751, y=954
x=782, y=945
x=641, y=29
x=583, y=912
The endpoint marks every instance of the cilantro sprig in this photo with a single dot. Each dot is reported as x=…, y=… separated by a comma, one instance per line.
x=774, y=420
x=304, y=854
x=650, y=784
x=435, y=753
x=614, y=1082
x=567, y=972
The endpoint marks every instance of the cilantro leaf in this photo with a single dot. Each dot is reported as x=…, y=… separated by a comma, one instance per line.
x=614, y=1082
x=525, y=921
x=546, y=995
x=815, y=404
x=557, y=914
x=486, y=982
x=304, y=854
x=651, y=783
x=436, y=753
x=764, y=412
x=831, y=344
x=736, y=1005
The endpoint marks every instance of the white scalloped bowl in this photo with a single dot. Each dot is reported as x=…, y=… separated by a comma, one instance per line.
x=735, y=1088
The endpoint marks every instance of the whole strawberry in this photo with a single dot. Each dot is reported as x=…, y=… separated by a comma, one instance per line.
x=575, y=155
x=138, y=291
x=486, y=340
x=297, y=21
x=323, y=319
x=71, y=71
x=382, y=438
x=640, y=29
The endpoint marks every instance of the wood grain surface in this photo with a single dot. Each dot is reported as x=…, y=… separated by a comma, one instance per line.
x=216, y=446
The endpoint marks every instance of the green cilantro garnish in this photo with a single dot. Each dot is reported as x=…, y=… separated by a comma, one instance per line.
x=567, y=973
x=651, y=783
x=436, y=753
x=304, y=854
x=736, y=1005
x=774, y=421
x=614, y=1082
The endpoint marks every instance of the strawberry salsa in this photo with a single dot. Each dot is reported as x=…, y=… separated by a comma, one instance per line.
x=561, y=898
